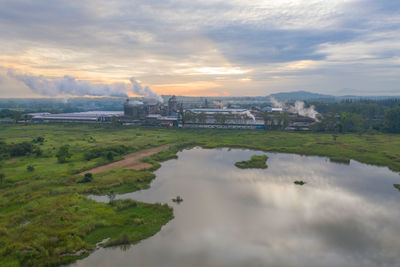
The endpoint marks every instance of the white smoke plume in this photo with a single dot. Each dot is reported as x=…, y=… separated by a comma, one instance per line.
x=298, y=108
x=302, y=111
x=276, y=103
x=248, y=113
x=138, y=89
x=68, y=85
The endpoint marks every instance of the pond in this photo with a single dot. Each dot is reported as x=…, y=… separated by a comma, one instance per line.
x=345, y=215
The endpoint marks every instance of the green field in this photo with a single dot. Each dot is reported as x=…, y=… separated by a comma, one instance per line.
x=45, y=217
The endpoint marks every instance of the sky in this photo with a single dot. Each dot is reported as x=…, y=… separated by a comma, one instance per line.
x=199, y=47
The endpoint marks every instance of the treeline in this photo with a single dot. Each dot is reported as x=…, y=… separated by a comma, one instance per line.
x=360, y=116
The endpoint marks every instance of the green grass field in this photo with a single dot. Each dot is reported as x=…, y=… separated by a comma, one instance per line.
x=45, y=218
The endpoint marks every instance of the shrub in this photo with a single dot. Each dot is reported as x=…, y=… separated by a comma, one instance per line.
x=20, y=149
x=30, y=168
x=87, y=178
x=110, y=156
x=111, y=196
x=138, y=221
x=107, y=152
x=39, y=140
x=63, y=154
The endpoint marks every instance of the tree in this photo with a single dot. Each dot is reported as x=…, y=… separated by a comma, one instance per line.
x=115, y=121
x=189, y=116
x=285, y=119
x=267, y=120
x=220, y=118
x=392, y=120
x=17, y=115
x=202, y=117
x=111, y=197
x=87, y=178
x=278, y=120
x=2, y=178
x=110, y=156
x=63, y=154
x=350, y=122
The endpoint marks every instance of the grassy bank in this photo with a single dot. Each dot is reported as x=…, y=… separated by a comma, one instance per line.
x=46, y=218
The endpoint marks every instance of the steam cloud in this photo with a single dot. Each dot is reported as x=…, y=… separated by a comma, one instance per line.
x=298, y=108
x=301, y=110
x=68, y=85
x=248, y=113
x=138, y=89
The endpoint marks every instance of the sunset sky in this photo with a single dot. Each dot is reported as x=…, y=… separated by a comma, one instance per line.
x=207, y=47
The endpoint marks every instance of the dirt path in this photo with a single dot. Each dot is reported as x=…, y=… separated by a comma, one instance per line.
x=131, y=161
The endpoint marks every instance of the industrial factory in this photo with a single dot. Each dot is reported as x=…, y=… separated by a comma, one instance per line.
x=175, y=114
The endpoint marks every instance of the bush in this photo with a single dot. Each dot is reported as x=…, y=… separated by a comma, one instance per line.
x=110, y=156
x=30, y=168
x=63, y=154
x=106, y=152
x=20, y=149
x=39, y=140
x=87, y=178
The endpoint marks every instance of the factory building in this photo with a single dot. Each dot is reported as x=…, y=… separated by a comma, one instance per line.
x=135, y=109
x=89, y=116
x=172, y=106
x=221, y=119
x=171, y=114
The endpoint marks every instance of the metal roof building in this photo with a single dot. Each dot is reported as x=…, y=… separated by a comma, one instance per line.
x=89, y=116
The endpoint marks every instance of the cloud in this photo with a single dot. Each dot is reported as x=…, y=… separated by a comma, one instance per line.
x=164, y=42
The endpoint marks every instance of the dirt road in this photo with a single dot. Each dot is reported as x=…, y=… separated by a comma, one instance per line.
x=131, y=161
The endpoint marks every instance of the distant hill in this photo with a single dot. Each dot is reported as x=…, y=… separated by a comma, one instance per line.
x=302, y=95
x=308, y=96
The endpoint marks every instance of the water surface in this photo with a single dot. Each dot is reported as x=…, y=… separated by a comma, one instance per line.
x=346, y=215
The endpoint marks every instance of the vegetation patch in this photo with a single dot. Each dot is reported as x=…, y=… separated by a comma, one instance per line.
x=397, y=186
x=107, y=152
x=119, y=180
x=65, y=225
x=255, y=162
x=340, y=160
x=299, y=182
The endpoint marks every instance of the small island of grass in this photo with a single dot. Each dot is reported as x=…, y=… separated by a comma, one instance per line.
x=255, y=162
x=178, y=199
x=299, y=182
x=397, y=186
